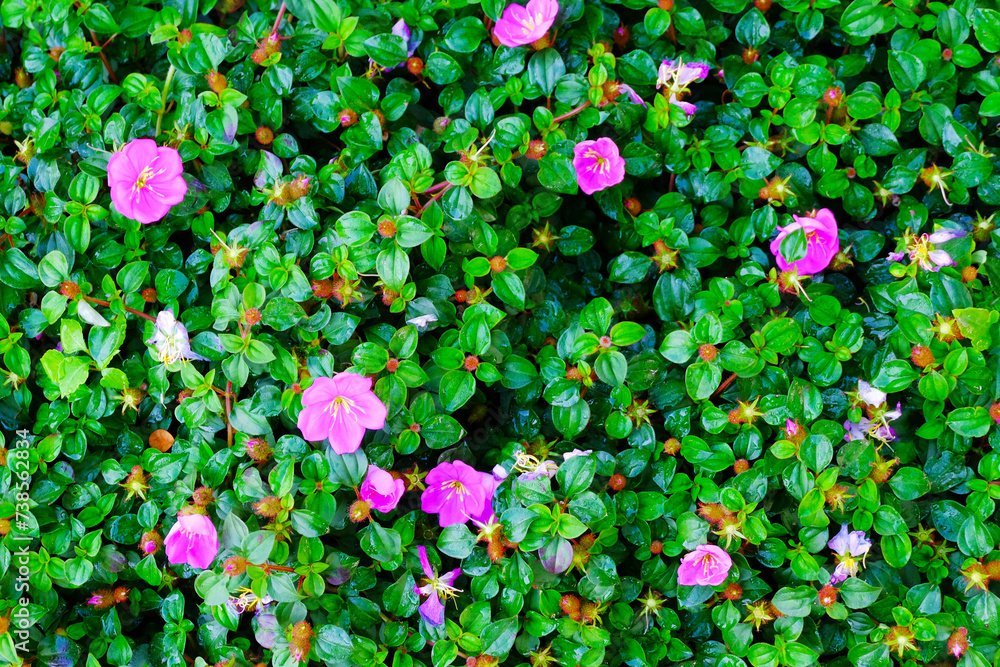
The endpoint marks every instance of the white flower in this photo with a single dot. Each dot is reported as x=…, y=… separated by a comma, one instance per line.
x=171, y=339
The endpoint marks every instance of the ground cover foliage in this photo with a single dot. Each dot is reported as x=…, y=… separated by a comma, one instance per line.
x=431, y=333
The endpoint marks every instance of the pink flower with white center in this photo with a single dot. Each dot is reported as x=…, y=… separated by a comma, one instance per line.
x=598, y=165
x=146, y=180
x=675, y=78
x=340, y=409
x=851, y=549
x=381, y=489
x=822, y=242
x=521, y=25
x=436, y=588
x=707, y=565
x=192, y=540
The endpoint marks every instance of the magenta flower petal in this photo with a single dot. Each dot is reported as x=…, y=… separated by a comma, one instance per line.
x=194, y=540
x=432, y=610
x=323, y=390
x=822, y=242
x=314, y=422
x=345, y=434
x=140, y=152
x=381, y=489
x=521, y=25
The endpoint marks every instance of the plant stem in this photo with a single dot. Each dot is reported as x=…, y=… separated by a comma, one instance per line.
x=229, y=424
x=725, y=384
x=277, y=21
x=104, y=59
x=572, y=113
x=434, y=199
x=102, y=302
x=435, y=188
x=163, y=99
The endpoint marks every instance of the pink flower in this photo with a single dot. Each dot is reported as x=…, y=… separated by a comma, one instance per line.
x=435, y=588
x=146, y=180
x=577, y=452
x=457, y=493
x=598, y=165
x=707, y=565
x=339, y=409
x=192, y=540
x=822, y=242
x=381, y=490
x=791, y=428
x=522, y=25
x=675, y=77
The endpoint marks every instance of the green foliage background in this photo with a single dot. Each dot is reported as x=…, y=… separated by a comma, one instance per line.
x=914, y=88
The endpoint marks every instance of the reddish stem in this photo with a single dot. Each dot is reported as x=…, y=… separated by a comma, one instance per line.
x=277, y=21
x=725, y=385
x=572, y=113
x=433, y=199
x=102, y=302
x=104, y=59
x=435, y=188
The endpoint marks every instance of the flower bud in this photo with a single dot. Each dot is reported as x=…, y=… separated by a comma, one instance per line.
x=348, y=118
x=536, y=149
x=733, y=592
x=621, y=35
x=440, y=123
x=203, y=496
x=617, y=482
x=471, y=363
x=258, y=450
x=216, y=82
x=360, y=511
x=235, y=566
x=415, y=65
x=498, y=264
x=741, y=466
x=922, y=356
x=708, y=352
x=150, y=543
x=149, y=295
x=264, y=135
x=672, y=447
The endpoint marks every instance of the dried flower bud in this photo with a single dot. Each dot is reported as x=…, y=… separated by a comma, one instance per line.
x=149, y=295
